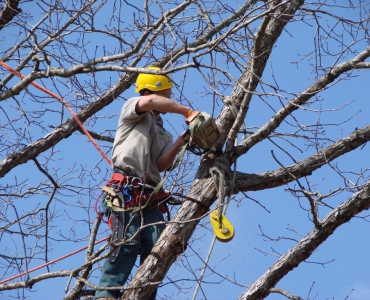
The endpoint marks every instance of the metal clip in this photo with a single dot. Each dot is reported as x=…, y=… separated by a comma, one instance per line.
x=126, y=196
x=134, y=184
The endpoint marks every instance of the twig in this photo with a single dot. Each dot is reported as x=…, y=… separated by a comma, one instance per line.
x=313, y=204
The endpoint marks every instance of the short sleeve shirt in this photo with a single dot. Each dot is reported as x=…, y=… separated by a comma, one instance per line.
x=140, y=139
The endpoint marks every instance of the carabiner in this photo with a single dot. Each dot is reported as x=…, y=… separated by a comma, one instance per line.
x=126, y=196
x=134, y=184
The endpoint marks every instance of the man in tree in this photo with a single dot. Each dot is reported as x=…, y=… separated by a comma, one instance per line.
x=142, y=149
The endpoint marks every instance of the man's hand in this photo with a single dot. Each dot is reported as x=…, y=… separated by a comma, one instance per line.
x=185, y=136
x=167, y=158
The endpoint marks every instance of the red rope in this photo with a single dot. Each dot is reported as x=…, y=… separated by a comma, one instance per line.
x=97, y=210
x=63, y=102
x=52, y=262
x=91, y=139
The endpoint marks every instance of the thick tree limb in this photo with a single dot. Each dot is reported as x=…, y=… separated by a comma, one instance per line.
x=343, y=213
x=266, y=37
x=261, y=181
x=65, y=130
x=8, y=12
x=296, y=103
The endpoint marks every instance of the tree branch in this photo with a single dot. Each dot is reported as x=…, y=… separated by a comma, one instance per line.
x=359, y=202
x=8, y=12
x=300, y=100
x=255, y=182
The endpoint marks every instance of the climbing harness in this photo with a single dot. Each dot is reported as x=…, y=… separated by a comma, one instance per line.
x=128, y=193
x=124, y=193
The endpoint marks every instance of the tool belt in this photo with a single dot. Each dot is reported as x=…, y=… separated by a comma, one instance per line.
x=128, y=194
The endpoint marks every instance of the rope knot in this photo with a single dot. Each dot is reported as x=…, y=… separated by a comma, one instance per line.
x=221, y=174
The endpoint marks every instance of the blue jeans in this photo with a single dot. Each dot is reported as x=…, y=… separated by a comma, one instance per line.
x=116, y=274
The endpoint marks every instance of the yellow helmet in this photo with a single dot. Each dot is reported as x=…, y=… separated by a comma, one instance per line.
x=153, y=82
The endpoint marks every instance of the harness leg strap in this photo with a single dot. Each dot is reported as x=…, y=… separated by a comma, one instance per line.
x=118, y=228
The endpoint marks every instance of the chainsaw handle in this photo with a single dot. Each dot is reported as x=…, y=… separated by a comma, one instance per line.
x=192, y=149
x=186, y=133
x=191, y=146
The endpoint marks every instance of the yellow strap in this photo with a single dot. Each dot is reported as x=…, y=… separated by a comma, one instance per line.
x=196, y=124
x=174, y=165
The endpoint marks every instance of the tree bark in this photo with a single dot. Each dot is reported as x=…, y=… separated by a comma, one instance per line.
x=65, y=130
x=8, y=12
x=292, y=258
x=261, y=181
x=173, y=240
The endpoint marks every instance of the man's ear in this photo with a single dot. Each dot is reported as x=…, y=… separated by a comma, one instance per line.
x=146, y=93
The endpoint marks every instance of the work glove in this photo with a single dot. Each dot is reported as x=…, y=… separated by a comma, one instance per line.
x=192, y=114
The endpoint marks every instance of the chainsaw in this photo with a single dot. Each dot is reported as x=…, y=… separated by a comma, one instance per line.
x=203, y=131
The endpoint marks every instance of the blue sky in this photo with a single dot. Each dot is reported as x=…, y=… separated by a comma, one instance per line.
x=337, y=267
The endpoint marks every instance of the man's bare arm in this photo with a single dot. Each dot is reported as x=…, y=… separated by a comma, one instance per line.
x=160, y=104
x=167, y=158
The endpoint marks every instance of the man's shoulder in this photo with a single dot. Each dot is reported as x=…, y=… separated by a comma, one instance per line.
x=129, y=109
x=132, y=100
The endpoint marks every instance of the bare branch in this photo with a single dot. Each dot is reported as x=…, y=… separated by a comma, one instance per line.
x=343, y=213
x=305, y=167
